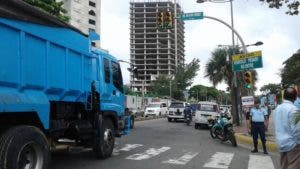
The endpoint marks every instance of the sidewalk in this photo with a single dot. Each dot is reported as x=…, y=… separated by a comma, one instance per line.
x=242, y=135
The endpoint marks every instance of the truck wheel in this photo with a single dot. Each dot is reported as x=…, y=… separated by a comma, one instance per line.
x=24, y=147
x=132, y=122
x=104, y=144
x=169, y=120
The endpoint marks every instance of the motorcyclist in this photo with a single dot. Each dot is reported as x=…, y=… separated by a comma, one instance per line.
x=187, y=112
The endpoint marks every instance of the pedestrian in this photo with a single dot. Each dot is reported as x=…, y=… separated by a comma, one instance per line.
x=287, y=131
x=259, y=123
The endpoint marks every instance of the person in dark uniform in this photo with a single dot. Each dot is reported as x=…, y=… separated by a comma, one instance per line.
x=259, y=122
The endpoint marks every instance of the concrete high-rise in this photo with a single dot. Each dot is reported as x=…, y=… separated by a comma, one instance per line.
x=152, y=50
x=84, y=15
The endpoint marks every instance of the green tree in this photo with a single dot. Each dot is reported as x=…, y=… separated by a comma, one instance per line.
x=218, y=70
x=161, y=86
x=52, y=7
x=182, y=79
x=292, y=5
x=290, y=71
x=271, y=88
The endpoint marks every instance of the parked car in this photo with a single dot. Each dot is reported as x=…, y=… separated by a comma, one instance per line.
x=156, y=109
x=205, y=111
x=175, y=111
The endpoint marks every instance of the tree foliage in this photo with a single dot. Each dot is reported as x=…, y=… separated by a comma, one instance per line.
x=205, y=93
x=218, y=69
x=52, y=7
x=182, y=79
x=290, y=71
x=271, y=88
x=292, y=5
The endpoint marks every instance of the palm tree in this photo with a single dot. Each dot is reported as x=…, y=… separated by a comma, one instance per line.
x=218, y=70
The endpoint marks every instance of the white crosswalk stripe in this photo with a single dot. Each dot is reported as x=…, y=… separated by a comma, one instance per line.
x=259, y=162
x=183, y=159
x=219, y=160
x=152, y=152
x=127, y=147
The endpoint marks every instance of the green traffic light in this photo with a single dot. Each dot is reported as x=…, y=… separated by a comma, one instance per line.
x=248, y=86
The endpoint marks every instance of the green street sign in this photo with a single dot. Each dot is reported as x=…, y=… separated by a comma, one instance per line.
x=247, y=61
x=191, y=16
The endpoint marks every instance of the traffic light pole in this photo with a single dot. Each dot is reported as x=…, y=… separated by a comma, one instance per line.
x=175, y=30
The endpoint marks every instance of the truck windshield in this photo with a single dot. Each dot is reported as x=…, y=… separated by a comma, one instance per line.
x=208, y=107
x=176, y=105
x=154, y=105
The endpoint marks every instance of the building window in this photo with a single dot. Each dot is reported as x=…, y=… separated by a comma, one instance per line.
x=92, y=22
x=93, y=4
x=91, y=12
x=106, y=70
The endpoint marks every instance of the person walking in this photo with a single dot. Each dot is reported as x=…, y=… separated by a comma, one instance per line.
x=259, y=123
x=287, y=130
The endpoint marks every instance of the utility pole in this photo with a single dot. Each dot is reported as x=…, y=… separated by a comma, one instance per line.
x=175, y=27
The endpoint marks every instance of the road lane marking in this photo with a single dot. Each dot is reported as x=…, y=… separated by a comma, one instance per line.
x=258, y=162
x=183, y=159
x=127, y=147
x=152, y=152
x=219, y=160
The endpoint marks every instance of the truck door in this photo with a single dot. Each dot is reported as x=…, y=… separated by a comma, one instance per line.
x=117, y=87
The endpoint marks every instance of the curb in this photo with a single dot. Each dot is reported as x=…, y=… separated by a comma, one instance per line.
x=242, y=138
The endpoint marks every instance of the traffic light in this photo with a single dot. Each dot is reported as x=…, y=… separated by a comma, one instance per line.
x=160, y=20
x=169, y=20
x=248, y=79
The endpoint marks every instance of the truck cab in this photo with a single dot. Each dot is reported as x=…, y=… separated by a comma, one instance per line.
x=55, y=89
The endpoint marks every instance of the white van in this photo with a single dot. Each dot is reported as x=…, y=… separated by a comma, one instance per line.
x=206, y=110
x=156, y=109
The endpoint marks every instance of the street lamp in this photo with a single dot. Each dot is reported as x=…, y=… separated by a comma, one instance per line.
x=258, y=43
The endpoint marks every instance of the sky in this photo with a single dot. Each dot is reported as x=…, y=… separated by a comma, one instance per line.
x=253, y=20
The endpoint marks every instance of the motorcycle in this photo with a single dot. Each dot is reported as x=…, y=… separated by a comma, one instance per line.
x=188, y=119
x=222, y=128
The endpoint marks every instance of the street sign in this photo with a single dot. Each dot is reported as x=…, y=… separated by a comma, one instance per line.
x=247, y=101
x=191, y=16
x=247, y=61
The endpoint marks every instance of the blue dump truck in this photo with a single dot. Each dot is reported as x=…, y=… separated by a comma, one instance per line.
x=55, y=89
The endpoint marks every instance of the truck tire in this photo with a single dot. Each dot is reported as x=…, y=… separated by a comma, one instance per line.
x=24, y=147
x=131, y=122
x=169, y=120
x=104, y=144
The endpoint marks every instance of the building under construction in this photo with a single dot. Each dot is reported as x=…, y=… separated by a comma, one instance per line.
x=152, y=50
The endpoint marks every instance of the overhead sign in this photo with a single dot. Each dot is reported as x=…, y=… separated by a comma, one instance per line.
x=247, y=101
x=191, y=16
x=247, y=61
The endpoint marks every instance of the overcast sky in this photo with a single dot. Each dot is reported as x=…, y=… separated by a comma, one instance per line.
x=253, y=20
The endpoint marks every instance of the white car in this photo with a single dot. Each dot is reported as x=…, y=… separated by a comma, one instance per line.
x=175, y=111
x=156, y=109
x=206, y=110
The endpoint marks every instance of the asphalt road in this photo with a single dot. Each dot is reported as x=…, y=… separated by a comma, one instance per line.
x=156, y=144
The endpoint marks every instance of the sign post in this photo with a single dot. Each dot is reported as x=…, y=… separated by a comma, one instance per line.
x=247, y=61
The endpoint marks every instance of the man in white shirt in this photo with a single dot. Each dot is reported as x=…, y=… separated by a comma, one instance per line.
x=287, y=130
